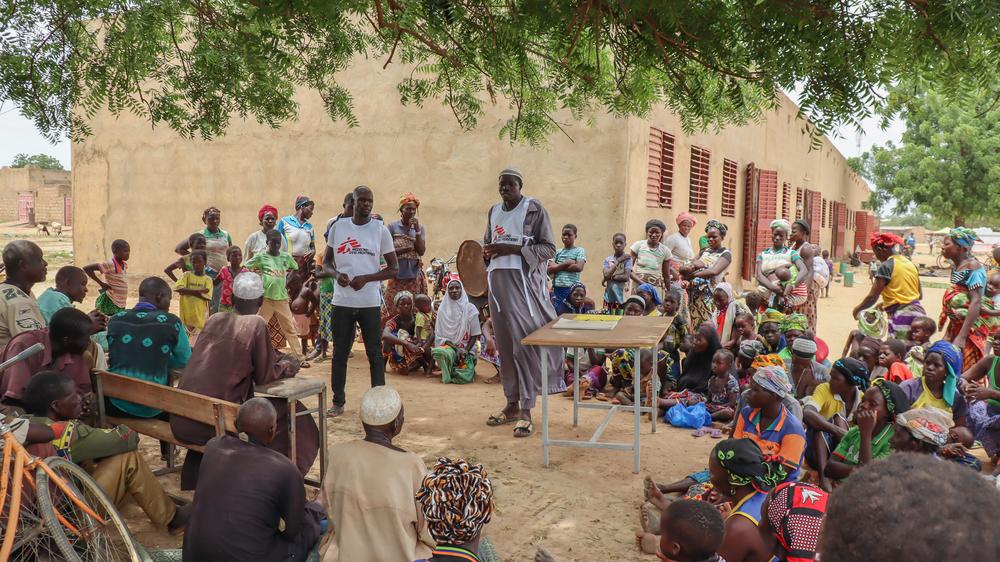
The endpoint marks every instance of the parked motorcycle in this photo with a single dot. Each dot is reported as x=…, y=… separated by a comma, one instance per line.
x=438, y=277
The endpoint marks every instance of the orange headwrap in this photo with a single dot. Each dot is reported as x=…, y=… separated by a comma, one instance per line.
x=408, y=198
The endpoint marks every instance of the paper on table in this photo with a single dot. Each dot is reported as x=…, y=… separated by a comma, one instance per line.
x=586, y=324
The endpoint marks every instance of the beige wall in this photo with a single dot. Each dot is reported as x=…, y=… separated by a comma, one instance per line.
x=48, y=186
x=150, y=186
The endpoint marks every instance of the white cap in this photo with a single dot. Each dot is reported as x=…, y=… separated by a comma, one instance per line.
x=248, y=286
x=380, y=405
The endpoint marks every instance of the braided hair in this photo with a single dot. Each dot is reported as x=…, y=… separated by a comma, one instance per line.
x=456, y=499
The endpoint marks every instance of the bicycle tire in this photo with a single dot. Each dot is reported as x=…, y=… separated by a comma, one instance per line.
x=110, y=542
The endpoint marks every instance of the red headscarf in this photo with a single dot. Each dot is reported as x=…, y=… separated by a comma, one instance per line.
x=266, y=209
x=795, y=514
x=885, y=240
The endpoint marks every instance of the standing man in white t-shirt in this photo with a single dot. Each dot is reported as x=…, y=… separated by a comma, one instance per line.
x=352, y=258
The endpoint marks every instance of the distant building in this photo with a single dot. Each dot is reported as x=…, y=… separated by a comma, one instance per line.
x=32, y=194
x=150, y=186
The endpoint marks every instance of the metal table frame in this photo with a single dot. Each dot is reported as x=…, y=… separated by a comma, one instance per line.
x=274, y=390
x=636, y=409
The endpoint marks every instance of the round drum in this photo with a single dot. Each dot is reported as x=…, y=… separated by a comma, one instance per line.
x=472, y=268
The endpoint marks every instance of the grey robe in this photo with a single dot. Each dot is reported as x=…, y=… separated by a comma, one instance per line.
x=517, y=311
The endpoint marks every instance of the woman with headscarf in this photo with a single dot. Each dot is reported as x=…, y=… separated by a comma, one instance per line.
x=696, y=368
x=410, y=240
x=799, y=238
x=727, y=308
x=793, y=326
x=743, y=474
x=651, y=296
x=400, y=346
x=870, y=438
x=928, y=431
x=793, y=516
x=298, y=232
x=576, y=301
x=897, y=282
x=938, y=387
x=651, y=257
x=456, y=331
x=828, y=412
x=963, y=301
x=707, y=271
x=256, y=243
x=780, y=256
x=217, y=243
x=518, y=243
x=768, y=421
x=770, y=330
x=456, y=501
x=678, y=243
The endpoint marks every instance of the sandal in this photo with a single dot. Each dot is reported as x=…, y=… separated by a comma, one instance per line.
x=715, y=433
x=523, y=428
x=601, y=397
x=499, y=418
x=700, y=432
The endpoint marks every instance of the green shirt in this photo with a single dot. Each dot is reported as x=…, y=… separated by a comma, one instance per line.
x=78, y=442
x=273, y=269
x=850, y=446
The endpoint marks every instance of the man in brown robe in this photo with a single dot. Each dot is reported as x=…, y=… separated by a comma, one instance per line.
x=234, y=353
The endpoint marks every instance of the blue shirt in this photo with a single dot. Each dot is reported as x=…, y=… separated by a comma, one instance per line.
x=298, y=235
x=51, y=301
x=568, y=278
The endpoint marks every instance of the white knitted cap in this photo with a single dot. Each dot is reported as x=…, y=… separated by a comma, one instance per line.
x=380, y=405
x=248, y=286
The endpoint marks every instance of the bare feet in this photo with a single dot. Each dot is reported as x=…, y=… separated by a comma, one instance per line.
x=649, y=520
x=543, y=556
x=654, y=495
x=647, y=542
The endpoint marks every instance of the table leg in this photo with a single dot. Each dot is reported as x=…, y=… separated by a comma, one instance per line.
x=545, y=410
x=292, y=415
x=636, y=410
x=655, y=388
x=322, y=433
x=576, y=387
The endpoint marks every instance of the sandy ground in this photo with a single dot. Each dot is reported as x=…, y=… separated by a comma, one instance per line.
x=584, y=507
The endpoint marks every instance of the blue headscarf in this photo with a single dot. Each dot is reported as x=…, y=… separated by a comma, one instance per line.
x=953, y=361
x=647, y=288
x=964, y=237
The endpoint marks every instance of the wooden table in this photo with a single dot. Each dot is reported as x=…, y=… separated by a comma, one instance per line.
x=631, y=332
x=295, y=389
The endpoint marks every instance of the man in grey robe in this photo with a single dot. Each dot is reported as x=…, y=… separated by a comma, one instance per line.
x=518, y=244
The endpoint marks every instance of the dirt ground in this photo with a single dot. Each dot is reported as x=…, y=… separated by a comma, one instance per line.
x=584, y=507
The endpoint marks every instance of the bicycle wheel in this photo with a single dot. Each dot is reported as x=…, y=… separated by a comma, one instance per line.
x=92, y=540
x=32, y=539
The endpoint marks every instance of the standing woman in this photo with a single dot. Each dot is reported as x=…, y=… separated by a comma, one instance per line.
x=518, y=244
x=217, y=243
x=409, y=239
x=716, y=258
x=298, y=234
x=808, y=252
x=256, y=243
x=678, y=243
x=651, y=258
x=897, y=282
x=779, y=255
x=963, y=301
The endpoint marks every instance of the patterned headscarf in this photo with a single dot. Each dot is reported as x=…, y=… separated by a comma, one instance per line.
x=885, y=240
x=795, y=321
x=647, y=288
x=686, y=216
x=266, y=209
x=964, y=237
x=896, y=401
x=795, y=513
x=456, y=499
x=782, y=224
x=402, y=295
x=723, y=229
x=409, y=198
x=770, y=315
x=302, y=201
x=929, y=425
x=773, y=379
x=953, y=361
x=767, y=360
x=874, y=322
x=750, y=349
x=854, y=371
x=747, y=465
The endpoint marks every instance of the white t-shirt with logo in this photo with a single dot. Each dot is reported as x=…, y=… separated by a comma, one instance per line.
x=357, y=250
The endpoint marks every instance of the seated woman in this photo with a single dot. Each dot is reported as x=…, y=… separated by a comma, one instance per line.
x=870, y=438
x=678, y=336
x=455, y=486
x=768, y=421
x=828, y=412
x=696, y=369
x=926, y=431
x=793, y=326
x=576, y=301
x=455, y=333
x=938, y=388
x=980, y=387
x=727, y=310
x=399, y=342
x=770, y=330
x=748, y=351
x=793, y=516
x=651, y=297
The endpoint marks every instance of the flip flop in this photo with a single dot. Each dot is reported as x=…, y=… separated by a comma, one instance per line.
x=523, y=428
x=715, y=433
x=700, y=432
x=601, y=397
x=498, y=419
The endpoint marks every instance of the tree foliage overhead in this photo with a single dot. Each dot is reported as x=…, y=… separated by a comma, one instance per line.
x=43, y=161
x=193, y=64
x=947, y=163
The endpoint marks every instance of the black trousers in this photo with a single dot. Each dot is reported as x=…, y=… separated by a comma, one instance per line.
x=343, y=321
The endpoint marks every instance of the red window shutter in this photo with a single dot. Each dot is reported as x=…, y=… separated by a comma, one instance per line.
x=698, y=197
x=815, y=216
x=767, y=208
x=750, y=182
x=660, y=173
x=824, y=213
x=729, y=172
x=786, y=200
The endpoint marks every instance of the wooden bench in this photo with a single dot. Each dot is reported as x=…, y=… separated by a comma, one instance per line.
x=220, y=414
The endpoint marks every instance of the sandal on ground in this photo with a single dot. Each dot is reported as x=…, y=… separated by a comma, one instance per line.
x=700, y=432
x=334, y=411
x=523, y=428
x=495, y=379
x=602, y=397
x=715, y=433
x=499, y=418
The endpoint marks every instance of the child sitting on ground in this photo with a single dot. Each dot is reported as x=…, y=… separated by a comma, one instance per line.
x=195, y=289
x=688, y=531
x=225, y=277
x=720, y=400
x=890, y=357
x=921, y=330
x=593, y=377
x=197, y=242
x=424, y=328
x=114, y=286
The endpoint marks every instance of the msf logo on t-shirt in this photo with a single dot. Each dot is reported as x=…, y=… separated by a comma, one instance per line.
x=500, y=236
x=353, y=247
